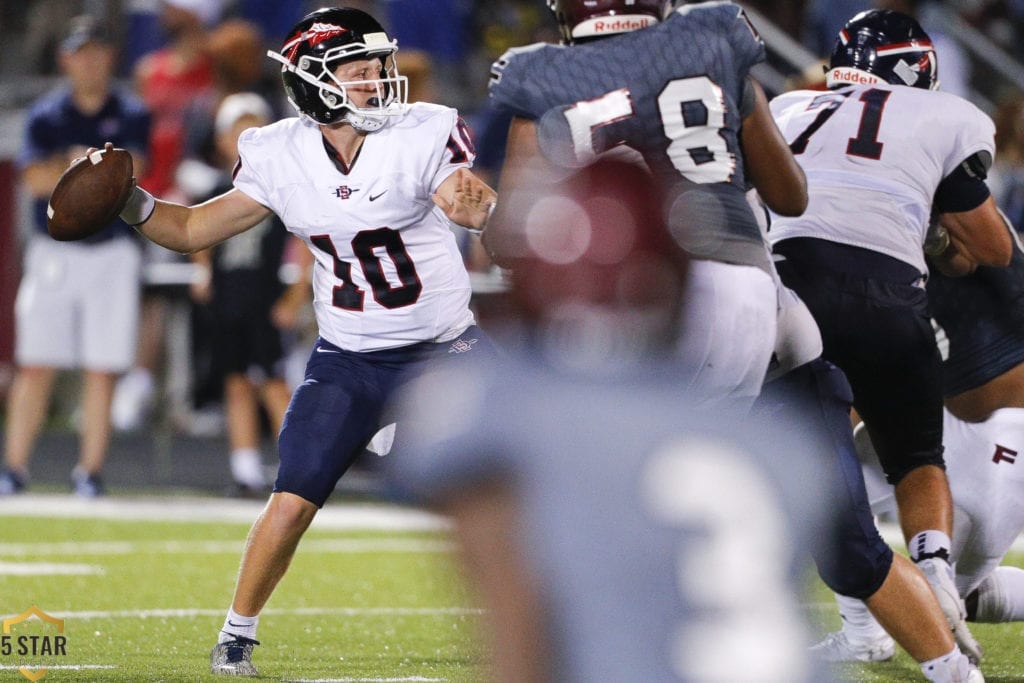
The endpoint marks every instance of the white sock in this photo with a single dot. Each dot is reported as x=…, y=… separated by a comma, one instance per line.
x=1001, y=596
x=247, y=467
x=952, y=667
x=859, y=625
x=930, y=543
x=237, y=625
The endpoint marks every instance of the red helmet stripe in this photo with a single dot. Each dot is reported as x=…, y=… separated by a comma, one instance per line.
x=314, y=35
x=912, y=46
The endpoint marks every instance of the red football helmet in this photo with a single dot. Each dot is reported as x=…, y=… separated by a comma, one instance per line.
x=593, y=252
x=581, y=20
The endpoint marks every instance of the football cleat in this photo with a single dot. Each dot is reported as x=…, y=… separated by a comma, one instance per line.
x=940, y=577
x=954, y=668
x=86, y=485
x=836, y=647
x=234, y=658
x=10, y=483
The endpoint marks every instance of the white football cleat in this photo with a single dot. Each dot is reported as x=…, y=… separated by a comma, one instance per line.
x=836, y=647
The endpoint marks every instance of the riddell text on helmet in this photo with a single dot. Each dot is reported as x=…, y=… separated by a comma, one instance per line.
x=621, y=25
x=854, y=76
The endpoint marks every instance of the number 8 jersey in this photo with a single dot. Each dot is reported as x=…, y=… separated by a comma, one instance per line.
x=388, y=271
x=673, y=91
x=874, y=156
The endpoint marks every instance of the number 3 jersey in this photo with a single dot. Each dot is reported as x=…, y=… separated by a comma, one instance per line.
x=388, y=271
x=874, y=156
x=672, y=91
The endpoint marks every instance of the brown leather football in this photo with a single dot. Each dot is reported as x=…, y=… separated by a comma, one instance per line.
x=90, y=194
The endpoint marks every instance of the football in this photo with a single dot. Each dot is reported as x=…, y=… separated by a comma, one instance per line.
x=90, y=194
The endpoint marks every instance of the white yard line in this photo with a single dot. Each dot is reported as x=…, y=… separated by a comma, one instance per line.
x=47, y=569
x=361, y=680
x=185, y=613
x=198, y=547
x=339, y=516
x=55, y=667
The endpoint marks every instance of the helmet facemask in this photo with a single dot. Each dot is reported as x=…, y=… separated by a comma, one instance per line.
x=391, y=89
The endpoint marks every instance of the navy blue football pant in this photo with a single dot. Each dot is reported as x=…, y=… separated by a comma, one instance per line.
x=874, y=322
x=341, y=402
x=858, y=562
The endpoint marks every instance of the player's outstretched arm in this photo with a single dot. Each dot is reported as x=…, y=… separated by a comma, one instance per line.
x=772, y=168
x=187, y=229
x=466, y=200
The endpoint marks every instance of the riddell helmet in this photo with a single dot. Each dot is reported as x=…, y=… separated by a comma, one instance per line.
x=313, y=50
x=585, y=19
x=882, y=46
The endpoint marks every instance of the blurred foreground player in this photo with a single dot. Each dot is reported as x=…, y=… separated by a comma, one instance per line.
x=615, y=530
x=78, y=303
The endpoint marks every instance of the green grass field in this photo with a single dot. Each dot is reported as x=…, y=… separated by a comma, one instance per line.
x=142, y=597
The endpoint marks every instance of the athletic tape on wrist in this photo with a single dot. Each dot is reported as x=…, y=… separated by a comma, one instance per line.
x=138, y=208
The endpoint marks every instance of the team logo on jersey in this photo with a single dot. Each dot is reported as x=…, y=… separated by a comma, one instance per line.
x=1004, y=454
x=344, y=191
x=462, y=345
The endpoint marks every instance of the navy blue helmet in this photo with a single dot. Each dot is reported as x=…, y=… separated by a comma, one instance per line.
x=313, y=50
x=882, y=46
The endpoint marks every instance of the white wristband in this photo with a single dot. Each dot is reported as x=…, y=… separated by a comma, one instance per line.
x=138, y=208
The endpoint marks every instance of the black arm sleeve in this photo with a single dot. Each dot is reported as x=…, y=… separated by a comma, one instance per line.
x=964, y=189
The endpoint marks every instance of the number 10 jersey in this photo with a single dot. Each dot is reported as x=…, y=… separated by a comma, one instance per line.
x=388, y=271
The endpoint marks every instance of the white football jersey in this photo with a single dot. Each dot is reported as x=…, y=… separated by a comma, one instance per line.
x=987, y=484
x=388, y=270
x=874, y=156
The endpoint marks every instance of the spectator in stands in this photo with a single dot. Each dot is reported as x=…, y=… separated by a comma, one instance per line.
x=237, y=52
x=1007, y=175
x=168, y=81
x=78, y=303
x=439, y=30
x=820, y=20
x=249, y=306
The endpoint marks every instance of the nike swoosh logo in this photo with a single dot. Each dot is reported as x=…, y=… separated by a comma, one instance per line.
x=375, y=197
x=320, y=350
x=231, y=623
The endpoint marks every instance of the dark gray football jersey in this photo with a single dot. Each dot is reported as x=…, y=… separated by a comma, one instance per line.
x=672, y=92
